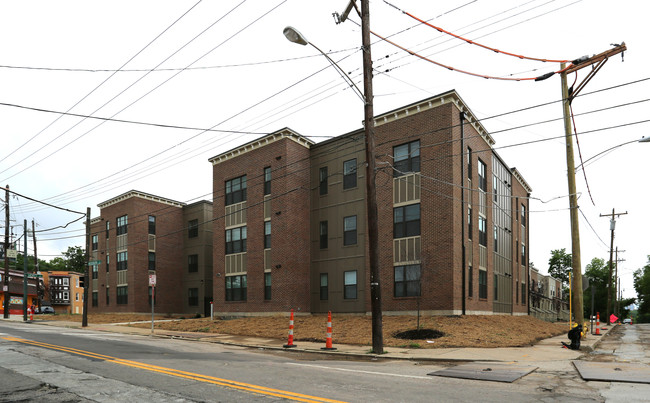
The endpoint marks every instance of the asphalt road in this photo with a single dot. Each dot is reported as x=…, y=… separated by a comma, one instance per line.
x=46, y=363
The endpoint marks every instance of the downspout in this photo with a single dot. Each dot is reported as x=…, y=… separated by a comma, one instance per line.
x=528, y=253
x=462, y=207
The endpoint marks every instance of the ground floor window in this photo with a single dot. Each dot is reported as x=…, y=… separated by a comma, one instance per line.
x=407, y=280
x=193, y=297
x=108, y=300
x=122, y=295
x=482, y=284
x=95, y=299
x=267, y=286
x=236, y=288
x=470, y=282
x=324, y=287
x=350, y=284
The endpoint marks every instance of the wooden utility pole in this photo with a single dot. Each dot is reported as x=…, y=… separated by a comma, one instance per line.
x=5, y=279
x=36, y=265
x=84, y=319
x=617, y=285
x=612, y=226
x=568, y=95
x=371, y=190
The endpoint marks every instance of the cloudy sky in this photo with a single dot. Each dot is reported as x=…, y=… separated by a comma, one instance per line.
x=222, y=73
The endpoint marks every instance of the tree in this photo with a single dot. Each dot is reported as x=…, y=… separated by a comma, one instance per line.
x=560, y=265
x=58, y=264
x=598, y=273
x=75, y=259
x=642, y=287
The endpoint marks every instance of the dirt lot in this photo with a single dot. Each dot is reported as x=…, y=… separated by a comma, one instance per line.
x=457, y=331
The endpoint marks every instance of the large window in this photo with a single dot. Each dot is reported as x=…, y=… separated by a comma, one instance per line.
x=350, y=174
x=95, y=298
x=267, y=234
x=350, y=230
x=496, y=238
x=406, y=158
x=95, y=242
x=470, y=281
x=523, y=254
x=322, y=180
x=108, y=297
x=469, y=163
x=122, y=225
x=193, y=263
x=470, y=227
x=267, y=181
x=350, y=284
x=482, y=178
x=482, y=231
x=121, y=261
x=193, y=229
x=152, y=260
x=193, y=296
x=152, y=225
x=95, y=272
x=523, y=215
x=122, y=295
x=482, y=284
x=108, y=227
x=323, y=234
x=236, y=240
x=407, y=281
x=236, y=288
x=267, y=286
x=406, y=221
x=324, y=287
x=236, y=190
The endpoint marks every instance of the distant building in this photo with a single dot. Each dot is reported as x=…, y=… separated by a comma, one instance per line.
x=139, y=236
x=452, y=217
x=546, y=298
x=16, y=292
x=62, y=291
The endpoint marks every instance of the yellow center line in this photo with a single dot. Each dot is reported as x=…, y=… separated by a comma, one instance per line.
x=182, y=374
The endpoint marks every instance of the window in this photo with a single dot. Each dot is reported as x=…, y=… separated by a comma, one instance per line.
x=470, y=228
x=482, y=178
x=482, y=284
x=496, y=287
x=95, y=300
x=108, y=259
x=65, y=281
x=322, y=180
x=350, y=174
x=122, y=295
x=350, y=230
x=267, y=286
x=407, y=281
x=516, y=212
x=236, y=190
x=406, y=221
x=496, y=239
x=267, y=181
x=523, y=293
x=236, y=288
x=470, y=282
x=350, y=284
x=523, y=215
x=76, y=296
x=323, y=234
x=152, y=260
x=108, y=298
x=267, y=234
x=94, y=272
x=152, y=225
x=236, y=240
x=193, y=263
x=482, y=231
x=121, y=261
x=193, y=297
x=324, y=287
x=406, y=158
x=523, y=254
x=495, y=183
x=108, y=227
x=516, y=249
x=95, y=242
x=121, y=225
x=469, y=163
x=193, y=229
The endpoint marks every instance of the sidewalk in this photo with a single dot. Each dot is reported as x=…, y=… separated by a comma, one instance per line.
x=546, y=350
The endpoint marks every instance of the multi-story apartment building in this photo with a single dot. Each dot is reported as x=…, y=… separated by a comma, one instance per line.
x=139, y=236
x=293, y=232
x=546, y=298
x=63, y=291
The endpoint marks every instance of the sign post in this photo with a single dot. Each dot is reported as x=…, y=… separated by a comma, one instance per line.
x=152, y=284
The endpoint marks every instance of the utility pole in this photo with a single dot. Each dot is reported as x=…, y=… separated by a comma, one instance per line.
x=25, y=272
x=617, y=285
x=612, y=226
x=568, y=95
x=84, y=319
x=5, y=285
x=36, y=265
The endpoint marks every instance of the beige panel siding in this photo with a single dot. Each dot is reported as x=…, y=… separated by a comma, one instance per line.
x=235, y=214
x=236, y=263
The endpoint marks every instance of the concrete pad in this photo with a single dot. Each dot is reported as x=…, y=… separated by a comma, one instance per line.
x=613, y=371
x=496, y=372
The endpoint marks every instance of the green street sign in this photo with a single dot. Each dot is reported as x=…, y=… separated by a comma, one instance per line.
x=35, y=275
x=94, y=262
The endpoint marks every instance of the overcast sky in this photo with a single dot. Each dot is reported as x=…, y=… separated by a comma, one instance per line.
x=226, y=66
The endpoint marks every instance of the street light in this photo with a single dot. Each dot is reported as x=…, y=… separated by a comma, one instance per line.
x=642, y=140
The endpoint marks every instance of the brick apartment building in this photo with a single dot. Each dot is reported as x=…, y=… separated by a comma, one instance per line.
x=290, y=221
x=137, y=235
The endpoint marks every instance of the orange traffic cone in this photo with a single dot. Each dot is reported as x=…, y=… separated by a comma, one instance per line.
x=290, y=341
x=328, y=339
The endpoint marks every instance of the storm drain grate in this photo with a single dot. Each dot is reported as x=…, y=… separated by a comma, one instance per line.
x=497, y=372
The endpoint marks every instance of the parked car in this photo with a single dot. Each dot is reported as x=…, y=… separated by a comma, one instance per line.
x=45, y=309
x=627, y=321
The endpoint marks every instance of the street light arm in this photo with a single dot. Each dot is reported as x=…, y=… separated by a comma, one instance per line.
x=642, y=140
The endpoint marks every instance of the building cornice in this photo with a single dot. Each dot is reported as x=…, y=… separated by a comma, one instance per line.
x=434, y=102
x=521, y=180
x=285, y=133
x=142, y=195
